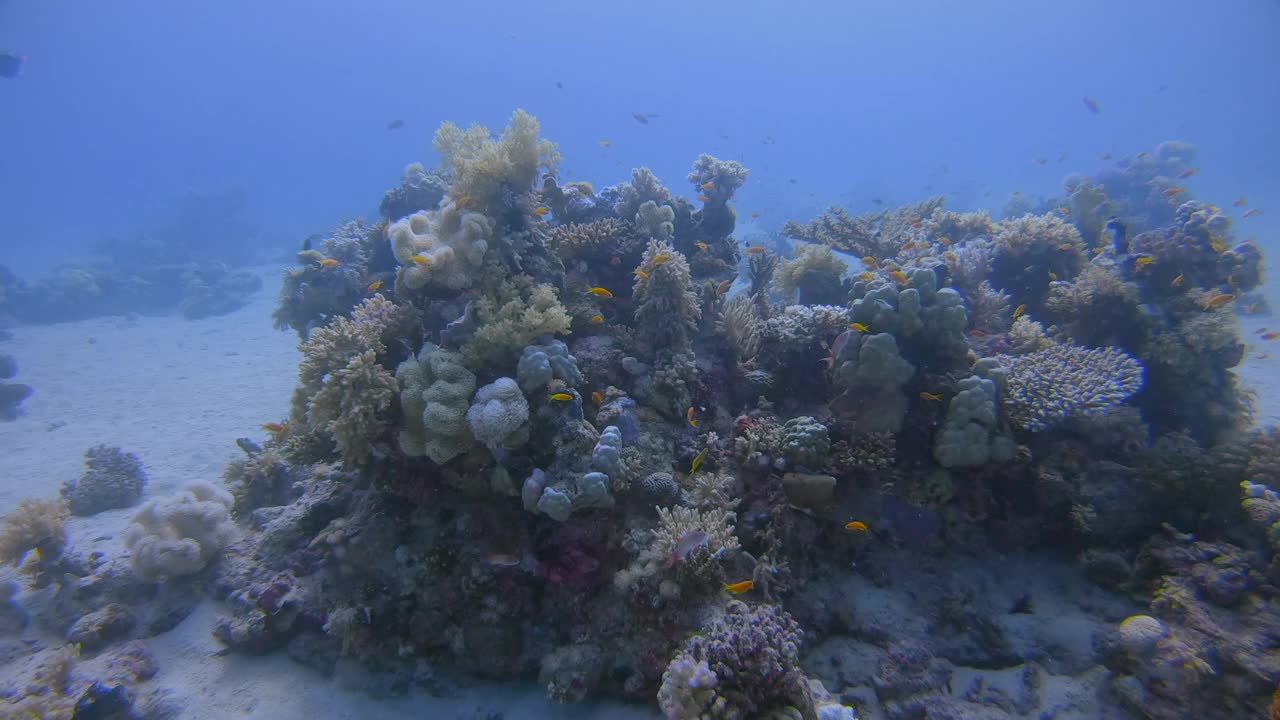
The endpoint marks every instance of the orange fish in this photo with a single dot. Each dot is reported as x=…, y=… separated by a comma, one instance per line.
x=1017, y=312
x=541, y=211
x=1176, y=281
x=597, y=319
x=464, y=201
x=865, y=276
x=596, y=397
x=701, y=245
x=859, y=327
x=1175, y=190
x=708, y=186
x=1064, y=211
x=944, y=240
x=560, y=397
x=976, y=332
x=373, y=286
x=329, y=262
x=1188, y=173
x=915, y=223
x=950, y=257
x=871, y=263
x=599, y=292
x=932, y=397
x=755, y=214
x=604, y=143
x=1270, y=335
x=1247, y=213
x=723, y=287
x=899, y=277
x=856, y=526
x=703, y=198
x=275, y=428
x=1053, y=275
x=1143, y=262
x=739, y=587
x=688, y=415
x=1218, y=300
x=757, y=249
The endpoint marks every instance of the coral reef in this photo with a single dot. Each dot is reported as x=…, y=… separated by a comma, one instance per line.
x=1045, y=387
x=483, y=169
x=179, y=535
x=112, y=479
x=435, y=397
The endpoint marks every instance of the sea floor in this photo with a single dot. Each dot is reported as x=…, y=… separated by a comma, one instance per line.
x=178, y=393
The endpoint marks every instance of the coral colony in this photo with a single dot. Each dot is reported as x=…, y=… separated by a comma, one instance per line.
x=589, y=436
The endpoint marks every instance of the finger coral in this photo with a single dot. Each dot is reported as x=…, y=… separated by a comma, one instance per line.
x=540, y=364
x=969, y=435
x=1045, y=387
x=435, y=395
x=482, y=168
x=180, y=534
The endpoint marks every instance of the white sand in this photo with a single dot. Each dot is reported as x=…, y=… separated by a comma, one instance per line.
x=178, y=393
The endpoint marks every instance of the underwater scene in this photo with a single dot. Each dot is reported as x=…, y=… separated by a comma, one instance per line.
x=639, y=360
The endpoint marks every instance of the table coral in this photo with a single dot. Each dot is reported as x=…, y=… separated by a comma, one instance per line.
x=1045, y=387
x=877, y=234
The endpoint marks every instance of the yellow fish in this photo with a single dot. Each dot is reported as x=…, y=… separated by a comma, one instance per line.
x=560, y=397
x=859, y=327
x=1143, y=262
x=660, y=258
x=944, y=240
x=1176, y=281
x=596, y=397
x=275, y=428
x=541, y=211
x=865, y=276
x=739, y=587
x=1218, y=300
x=755, y=214
x=420, y=260
x=702, y=245
x=930, y=396
x=697, y=460
x=1218, y=246
x=950, y=256
x=1017, y=312
x=757, y=249
x=1170, y=192
x=329, y=262
x=856, y=526
x=1053, y=275
x=599, y=292
x=871, y=263
x=373, y=286
x=689, y=416
x=604, y=143
x=597, y=319
x=708, y=186
x=899, y=277
x=641, y=274
x=463, y=201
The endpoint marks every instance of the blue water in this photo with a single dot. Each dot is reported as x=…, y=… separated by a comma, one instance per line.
x=124, y=106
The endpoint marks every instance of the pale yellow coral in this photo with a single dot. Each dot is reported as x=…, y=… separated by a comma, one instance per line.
x=38, y=525
x=352, y=404
x=810, y=261
x=740, y=327
x=481, y=167
x=442, y=248
x=506, y=329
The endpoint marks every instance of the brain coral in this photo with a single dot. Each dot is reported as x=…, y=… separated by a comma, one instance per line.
x=1047, y=386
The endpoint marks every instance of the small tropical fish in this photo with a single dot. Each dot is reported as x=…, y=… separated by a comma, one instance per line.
x=944, y=240
x=856, y=526
x=1143, y=261
x=865, y=276
x=689, y=542
x=932, y=397
x=871, y=263
x=1188, y=173
x=1017, y=312
x=1250, y=212
x=755, y=215
x=1270, y=335
x=907, y=245
x=599, y=292
x=660, y=258
x=757, y=249
x=899, y=277
x=1262, y=356
x=739, y=587
x=597, y=319
x=1239, y=202
x=641, y=274
x=702, y=198
x=701, y=245
x=596, y=397
x=11, y=64
x=1176, y=281
x=1175, y=190
x=859, y=327
x=1091, y=104
x=395, y=124
x=723, y=287
x=1218, y=300
x=1218, y=246
x=501, y=560
x=560, y=397
x=373, y=286
x=276, y=428
x=604, y=143
x=915, y=223
x=977, y=332
x=1105, y=156
x=1064, y=211
x=697, y=460
x=950, y=256
x=643, y=118
x=1068, y=189
x=1053, y=275
x=708, y=186
x=329, y=262
x=541, y=211
x=1042, y=161
x=419, y=259
x=688, y=415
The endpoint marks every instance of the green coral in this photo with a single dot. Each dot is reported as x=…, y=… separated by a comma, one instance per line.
x=505, y=328
x=435, y=393
x=352, y=405
x=481, y=168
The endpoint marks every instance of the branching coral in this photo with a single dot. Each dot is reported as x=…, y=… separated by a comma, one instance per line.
x=482, y=168
x=506, y=329
x=740, y=327
x=112, y=479
x=667, y=308
x=435, y=394
x=877, y=234
x=442, y=248
x=36, y=525
x=743, y=665
x=698, y=564
x=312, y=291
x=1030, y=252
x=1097, y=308
x=598, y=240
x=180, y=534
x=1043, y=388
x=815, y=272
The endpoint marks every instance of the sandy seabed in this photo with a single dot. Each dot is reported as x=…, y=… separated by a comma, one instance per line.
x=177, y=393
